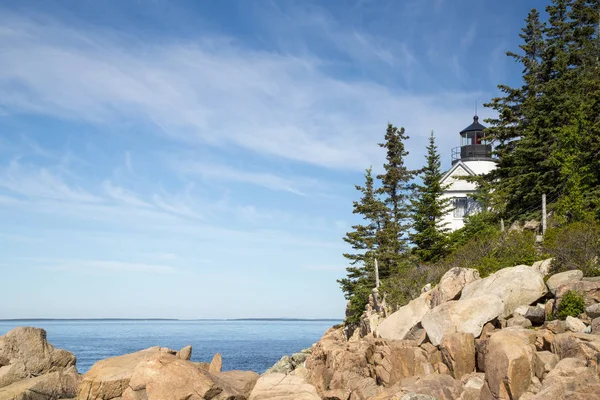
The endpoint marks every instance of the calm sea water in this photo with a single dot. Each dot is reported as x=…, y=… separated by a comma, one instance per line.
x=244, y=345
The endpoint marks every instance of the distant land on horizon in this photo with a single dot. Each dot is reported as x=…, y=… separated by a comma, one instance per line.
x=169, y=319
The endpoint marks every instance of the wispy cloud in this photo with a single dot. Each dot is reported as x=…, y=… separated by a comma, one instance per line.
x=223, y=95
x=268, y=180
x=31, y=181
x=123, y=195
x=174, y=206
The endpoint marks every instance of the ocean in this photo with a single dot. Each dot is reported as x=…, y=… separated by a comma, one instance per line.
x=244, y=344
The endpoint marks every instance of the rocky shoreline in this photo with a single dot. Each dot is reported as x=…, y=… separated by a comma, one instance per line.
x=466, y=338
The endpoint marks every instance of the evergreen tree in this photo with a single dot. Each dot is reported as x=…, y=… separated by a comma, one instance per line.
x=429, y=207
x=516, y=125
x=360, y=279
x=397, y=190
x=555, y=115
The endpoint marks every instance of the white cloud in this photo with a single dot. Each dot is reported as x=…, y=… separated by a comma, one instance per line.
x=35, y=182
x=226, y=173
x=210, y=91
x=123, y=195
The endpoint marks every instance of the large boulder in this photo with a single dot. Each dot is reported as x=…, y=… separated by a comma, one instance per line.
x=397, y=360
x=451, y=285
x=543, y=267
x=509, y=363
x=107, y=379
x=400, y=323
x=590, y=290
x=593, y=311
x=25, y=352
x=282, y=387
x=336, y=363
x=570, y=379
x=582, y=346
x=519, y=320
x=241, y=381
x=287, y=364
x=53, y=385
x=515, y=286
x=536, y=314
x=465, y=315
x=216, y=365
x=563, y=278
x=165, y=376
x=438, y=386
x=574, y=324
x=458, y=353
x=473, y=385
x=595, y=326
x=545, y=361
x=185, y=353
x=362, y=367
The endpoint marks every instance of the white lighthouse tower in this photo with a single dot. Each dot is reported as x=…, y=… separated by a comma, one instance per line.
x=472, y=157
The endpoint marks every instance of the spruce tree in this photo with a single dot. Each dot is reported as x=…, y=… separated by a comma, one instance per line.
x=363, y=238
x=397, y=190
x=429, y=207
x=555, y=115
x=512, y=182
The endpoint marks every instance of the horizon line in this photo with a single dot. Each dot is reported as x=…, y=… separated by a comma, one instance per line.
x=169, y=319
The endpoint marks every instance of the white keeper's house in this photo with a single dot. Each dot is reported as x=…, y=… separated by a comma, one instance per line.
x=472, y=157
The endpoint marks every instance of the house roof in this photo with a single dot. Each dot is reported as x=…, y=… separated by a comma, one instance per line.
x=455, y=167
x=474, y=127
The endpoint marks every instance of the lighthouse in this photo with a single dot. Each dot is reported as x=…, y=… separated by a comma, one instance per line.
x=473, y=157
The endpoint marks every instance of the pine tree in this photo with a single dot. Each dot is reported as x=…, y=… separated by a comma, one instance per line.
x=397, y=190
x=360, y=279
x=516, y=124
x=429, y=207
x=555, y=115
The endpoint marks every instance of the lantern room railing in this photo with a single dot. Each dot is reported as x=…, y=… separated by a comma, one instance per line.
x=472, y=152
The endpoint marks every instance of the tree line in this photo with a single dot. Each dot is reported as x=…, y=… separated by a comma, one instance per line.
x=546, y=137
x=401, y=220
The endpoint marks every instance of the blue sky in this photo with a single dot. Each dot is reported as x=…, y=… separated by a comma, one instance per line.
x=196, y=159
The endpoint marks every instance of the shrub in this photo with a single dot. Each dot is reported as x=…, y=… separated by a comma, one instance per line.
x=357, y=304
x=406, y=284
x=476, y=225
x=491, y=250
x=574, y=246
x=571, y=304
x=487, y=251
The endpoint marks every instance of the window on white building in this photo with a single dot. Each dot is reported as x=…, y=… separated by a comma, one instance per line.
x=460, y=207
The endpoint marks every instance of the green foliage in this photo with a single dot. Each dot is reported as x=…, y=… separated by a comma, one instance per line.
x=548, y=128
x=383, y=234
x=357, y=303
x=406, y=284
x=482, y=224
x=364, y=240
x=571, y=304
x=430, y=236
x=487, y=251
x=574, y=246
x=396, y=191
x=492, y=250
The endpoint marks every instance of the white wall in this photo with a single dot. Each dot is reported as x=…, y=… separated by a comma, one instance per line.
x=480, y=167
x=461, y=188
x=451, y=222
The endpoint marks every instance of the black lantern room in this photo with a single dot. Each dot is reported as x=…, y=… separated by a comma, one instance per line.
x=473, y=144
